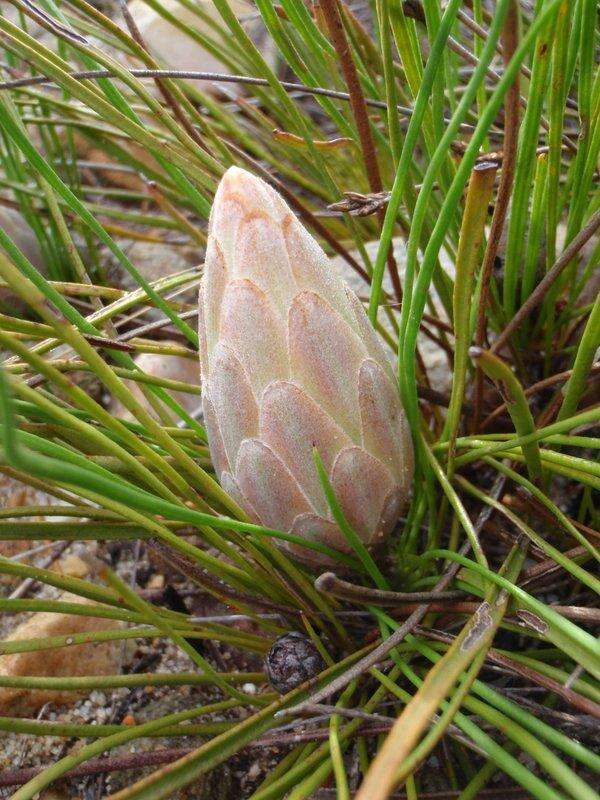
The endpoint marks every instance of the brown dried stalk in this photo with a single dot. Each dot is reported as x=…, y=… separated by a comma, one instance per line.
x=198, y=75
x=581, y=613
x=549, y=566
x=333, y=18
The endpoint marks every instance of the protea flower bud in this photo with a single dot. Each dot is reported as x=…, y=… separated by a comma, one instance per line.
x=290, y=363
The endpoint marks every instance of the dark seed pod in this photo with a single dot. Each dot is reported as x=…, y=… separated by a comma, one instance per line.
x=292, y=659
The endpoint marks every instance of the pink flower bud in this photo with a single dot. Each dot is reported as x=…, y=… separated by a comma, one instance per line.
x=290, y=363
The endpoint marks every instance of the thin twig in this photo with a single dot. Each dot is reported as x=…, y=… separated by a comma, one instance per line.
x=577, y=673
x=549, y=566
x=329, y=583
x=200, y=75
x=27, y=584
x=580, y=613
x=152, y=327
x=108, y=344
x=51, y=24
x=349, y=713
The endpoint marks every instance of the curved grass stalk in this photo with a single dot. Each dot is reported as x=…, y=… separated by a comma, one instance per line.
x=583, y=465
x=253, y=644
x=66, y=730
x=61, y=607
x=483, y=439
x=560, y=465
x=513, y=395
x=479, y=192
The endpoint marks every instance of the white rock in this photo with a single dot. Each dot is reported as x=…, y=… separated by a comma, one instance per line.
x=154, y=261
x=83, y=659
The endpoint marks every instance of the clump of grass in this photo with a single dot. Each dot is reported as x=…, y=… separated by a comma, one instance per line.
x=472, y=133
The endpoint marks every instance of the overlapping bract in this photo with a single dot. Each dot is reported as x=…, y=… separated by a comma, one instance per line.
x=289, y=362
